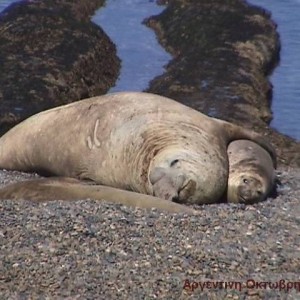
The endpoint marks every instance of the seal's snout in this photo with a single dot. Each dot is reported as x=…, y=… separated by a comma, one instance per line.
x=250, y=190
x=187, y=191
x=166, y=183
x=172, y=184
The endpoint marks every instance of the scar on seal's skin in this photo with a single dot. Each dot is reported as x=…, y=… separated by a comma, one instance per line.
x=94, y=142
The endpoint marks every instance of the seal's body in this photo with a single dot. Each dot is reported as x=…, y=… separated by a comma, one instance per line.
x=251, y=172
x=70, y=189
x=133, y=141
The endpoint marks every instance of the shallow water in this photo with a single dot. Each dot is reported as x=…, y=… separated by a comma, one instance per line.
x=4, y=3
x=286, y=77
x=143, y=58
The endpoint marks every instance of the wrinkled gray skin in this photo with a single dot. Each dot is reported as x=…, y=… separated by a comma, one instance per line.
x=251, y=172
x=133, y=141
x=70, y=189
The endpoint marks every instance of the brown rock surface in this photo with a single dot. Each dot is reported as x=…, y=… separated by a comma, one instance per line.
x=51, y=54
x=223, y=52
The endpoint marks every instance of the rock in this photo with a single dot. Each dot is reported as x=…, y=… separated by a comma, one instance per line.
x=51, y=54
x=222, y=51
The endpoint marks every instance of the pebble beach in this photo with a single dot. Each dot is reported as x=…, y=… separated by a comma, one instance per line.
x=96, y=250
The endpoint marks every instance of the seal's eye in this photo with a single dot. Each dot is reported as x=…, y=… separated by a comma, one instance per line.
x=175, y=161
x=245, y=180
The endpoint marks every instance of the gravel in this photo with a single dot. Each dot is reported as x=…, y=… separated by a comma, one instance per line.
x=97, y=250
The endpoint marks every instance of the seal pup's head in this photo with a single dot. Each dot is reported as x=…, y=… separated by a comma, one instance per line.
x=247, y=188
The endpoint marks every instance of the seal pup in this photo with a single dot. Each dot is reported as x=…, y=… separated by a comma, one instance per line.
x=130, y=140
x=70, y=189
x=251, y=172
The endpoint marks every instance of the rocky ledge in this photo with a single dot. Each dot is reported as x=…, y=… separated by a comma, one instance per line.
x=223, y=52
x=51, y=54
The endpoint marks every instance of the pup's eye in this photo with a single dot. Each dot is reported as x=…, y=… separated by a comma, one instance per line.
x=175, y=161
x=245, y=180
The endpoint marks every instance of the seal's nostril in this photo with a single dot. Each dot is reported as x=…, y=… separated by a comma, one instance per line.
x=259, y=193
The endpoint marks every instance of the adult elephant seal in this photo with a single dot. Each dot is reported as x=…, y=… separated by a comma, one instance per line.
x=251, y=172
x=70, y=189
x=133, y=141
